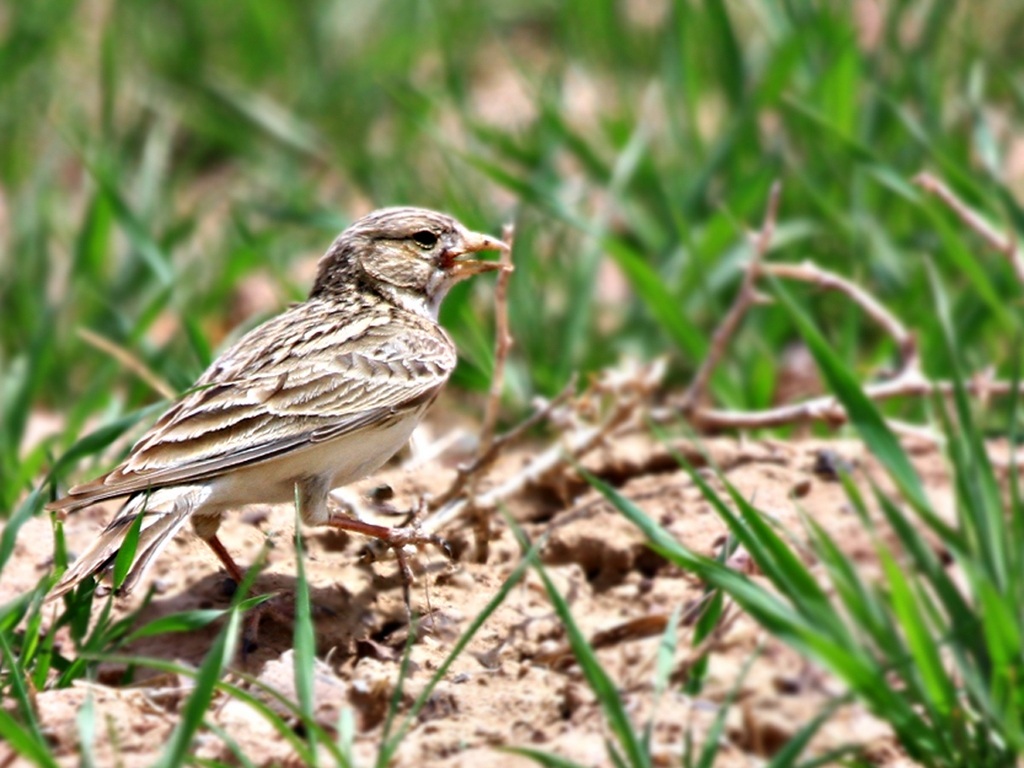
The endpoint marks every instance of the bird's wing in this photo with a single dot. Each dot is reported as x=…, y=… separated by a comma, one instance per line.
x=298, y=380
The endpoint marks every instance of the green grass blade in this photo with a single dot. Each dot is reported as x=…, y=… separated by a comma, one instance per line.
x=194, y=710
x=16, y=681
x=283, y=728
x=939, y=691
x=865, y=418
x=963, y=621
x=651, y=289
x=304, y=658
x=980, y=498
x=126, y=552
x=863, y=605
x=603, y=686
x=185, y=621
x=21, y=741
x=849, y=662
x=102, y=437
x=346, y=729
x=713, y=735
x=664, y=662
x=135, y=229
x=396, y=694
x=779, y=561
x=794, y=747
x=25, y=511
x=861, y=412
x=237, y=751
x=542, y=758
x=85, y=722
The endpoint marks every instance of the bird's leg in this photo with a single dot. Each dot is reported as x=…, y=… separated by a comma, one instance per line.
x=251, y=624
x=233, y=569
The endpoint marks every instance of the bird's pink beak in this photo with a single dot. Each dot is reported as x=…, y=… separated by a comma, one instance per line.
x=474, y=242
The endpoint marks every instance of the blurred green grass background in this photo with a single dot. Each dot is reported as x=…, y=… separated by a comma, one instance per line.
x=169, y=170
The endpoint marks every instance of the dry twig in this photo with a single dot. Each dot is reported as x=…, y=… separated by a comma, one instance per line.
x=910, y=384
x=629, y=392
x=484, y=460
x=746, y=297
x=999, y=241
x=809, y=272
x=129, y=361
x=909, y=380
x=502, y=342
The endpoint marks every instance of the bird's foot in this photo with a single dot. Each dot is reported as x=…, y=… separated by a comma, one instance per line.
x=397, y=539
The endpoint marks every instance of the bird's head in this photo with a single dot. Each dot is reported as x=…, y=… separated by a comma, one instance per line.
x=412, y=255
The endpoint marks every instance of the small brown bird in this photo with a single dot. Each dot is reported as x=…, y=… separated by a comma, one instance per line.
x=314, y=398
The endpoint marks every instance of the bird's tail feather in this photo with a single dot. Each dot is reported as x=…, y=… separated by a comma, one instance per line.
x=162, y=518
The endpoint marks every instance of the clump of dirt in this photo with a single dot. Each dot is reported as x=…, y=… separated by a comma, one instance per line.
x=517, y=683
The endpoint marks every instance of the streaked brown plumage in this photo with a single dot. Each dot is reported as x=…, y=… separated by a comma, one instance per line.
x=314, y=398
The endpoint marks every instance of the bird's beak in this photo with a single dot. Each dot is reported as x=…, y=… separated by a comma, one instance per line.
x=474, y=242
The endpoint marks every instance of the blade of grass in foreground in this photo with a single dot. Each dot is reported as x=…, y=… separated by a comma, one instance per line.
x=664, y=662
x=186, y=621
x=862, y=413
x=258, y=704
x=598, y=679
x=707, y=756
x=233, y=746
x=28, y=509
x=85, y=721
x=863, y=604
x=304, y=657
x=798, y=743
x=880, y=440
x=710, y=614
x=603, y=686
x=16, y=680
x=981, y=506
x=979, y=545
x=100, y=438
x=126, y=552
x=37, y=651
x=403, y=672
x=21, y=741
x=194, y=710
x=543, y=758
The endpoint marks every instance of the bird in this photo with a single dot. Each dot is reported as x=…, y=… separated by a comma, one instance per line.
x=312, y=399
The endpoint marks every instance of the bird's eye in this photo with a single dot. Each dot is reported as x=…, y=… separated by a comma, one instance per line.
x=425, y=238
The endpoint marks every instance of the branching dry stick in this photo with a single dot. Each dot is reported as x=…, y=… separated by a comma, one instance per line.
x=630, y=397
x=909, y=381
x=1003, y=243
x=483, y=461
x=746, y=297
x=809, y=272
x=826, y=409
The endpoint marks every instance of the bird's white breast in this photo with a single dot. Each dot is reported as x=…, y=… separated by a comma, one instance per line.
x=342, y=460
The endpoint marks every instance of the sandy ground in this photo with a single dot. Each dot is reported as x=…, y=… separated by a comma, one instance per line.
x=516, y=684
